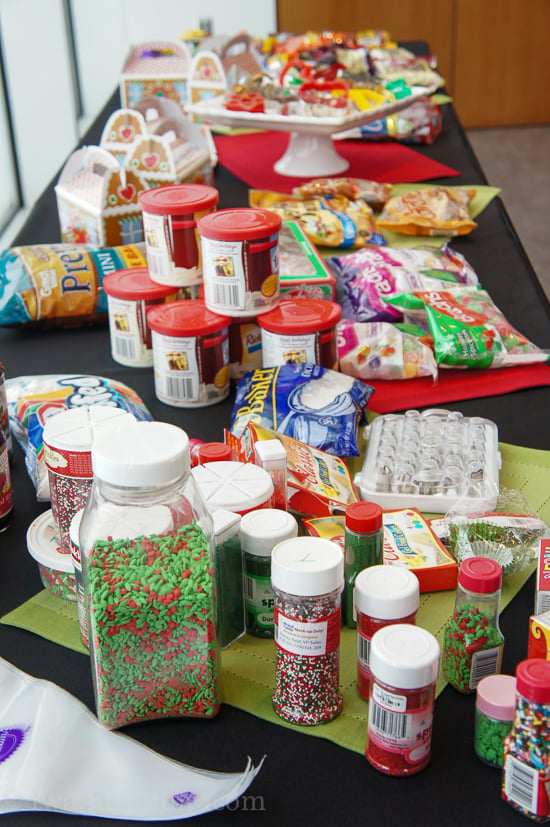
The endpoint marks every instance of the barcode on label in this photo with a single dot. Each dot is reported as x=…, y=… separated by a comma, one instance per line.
x=227, y=294
x=124, y=347
x=180, y=387
x=521, y=783
x=363, y=650
x=392, y=724
x=483, y=664
x=155, y=263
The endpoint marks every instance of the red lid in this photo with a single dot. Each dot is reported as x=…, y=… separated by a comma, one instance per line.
x=239, y=224
x=363, y=517
x=178, y=199
x=186, y=317
x=533, y=680
x=214, y=452
x=480, y=574
x=135, y=283
x=301, y=316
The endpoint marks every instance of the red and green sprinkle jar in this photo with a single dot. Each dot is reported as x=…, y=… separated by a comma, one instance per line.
x=147, y=558
x=307, y=576
x=472, y=640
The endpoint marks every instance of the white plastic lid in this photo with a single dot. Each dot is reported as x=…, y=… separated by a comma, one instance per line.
x=404, y=656
x=262, y=529
x=43, y=547
x=386, y=592
x=131, y=521
x=226, y=525
x=74, y=528
x=140, y=454
x=233, y=486
x=307, y=566
x=75, y=428
x=270, y=450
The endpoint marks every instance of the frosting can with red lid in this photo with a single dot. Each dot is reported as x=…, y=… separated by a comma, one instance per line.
x=172, y=244
x=240, y=253
x=301, y=330
x=130, y=294
x=190, y=353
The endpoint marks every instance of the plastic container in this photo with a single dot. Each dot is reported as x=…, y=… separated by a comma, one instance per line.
x=240, y=253
x=271, y=455
x=6, y=495
x=495, y=705
x=382, y=596
x=130, y=294
x=74, y=534
x=307, y=575
x=234, y=486
x=245, y=346
x=363, y=546
x=4, y=416
x=472, y=640
x=214, y=452
x=260, y=532
x=526, y=773
x=146, y=544
x=190, y=354
x=170, y=217
x=301, y=330
x=54, y=563
x=67, y=439
x=404, y=662
x=229, y=577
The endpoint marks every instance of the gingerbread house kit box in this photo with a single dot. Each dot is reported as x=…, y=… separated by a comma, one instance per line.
x=97, y=200
x=155, y=68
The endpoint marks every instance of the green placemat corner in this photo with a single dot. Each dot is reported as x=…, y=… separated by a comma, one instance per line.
x=50, y=617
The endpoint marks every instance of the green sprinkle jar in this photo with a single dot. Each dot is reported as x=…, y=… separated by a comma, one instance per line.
x=494, y=714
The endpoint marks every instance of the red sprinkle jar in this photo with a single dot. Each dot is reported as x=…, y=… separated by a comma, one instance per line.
x=404, y=663
x=382, y=595
x=301, y=330
x=130, y=294
x=190, y=354
x=172, y=244
x=240, y=253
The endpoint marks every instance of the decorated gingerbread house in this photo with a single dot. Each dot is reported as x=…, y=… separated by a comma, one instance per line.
x=97, y=200
x=221, y=63
x=157, y=67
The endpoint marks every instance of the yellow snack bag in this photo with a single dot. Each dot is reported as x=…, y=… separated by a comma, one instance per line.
x=429, y=211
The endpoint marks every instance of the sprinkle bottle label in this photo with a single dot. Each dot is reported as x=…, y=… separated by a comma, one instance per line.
x=309, y=639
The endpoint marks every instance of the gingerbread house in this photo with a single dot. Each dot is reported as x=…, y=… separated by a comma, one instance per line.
x=157, y=67
x=97, y=200
x=221, y=63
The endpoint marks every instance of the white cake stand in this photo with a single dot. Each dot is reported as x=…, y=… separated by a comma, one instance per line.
x=311, y=150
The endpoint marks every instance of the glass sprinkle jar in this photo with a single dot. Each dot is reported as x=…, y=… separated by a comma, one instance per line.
x=404, y=663
x=495, y=704
x=363, y=544
x=307, y=575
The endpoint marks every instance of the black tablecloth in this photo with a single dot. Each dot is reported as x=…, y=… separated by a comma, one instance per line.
x=304, y=780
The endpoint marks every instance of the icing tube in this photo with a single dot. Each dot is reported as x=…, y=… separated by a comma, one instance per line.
x=56, y=757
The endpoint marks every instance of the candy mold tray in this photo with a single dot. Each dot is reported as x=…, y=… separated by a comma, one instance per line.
x=430, y=461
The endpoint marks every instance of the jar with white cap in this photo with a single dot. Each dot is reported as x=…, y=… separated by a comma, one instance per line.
x=261, y=530
x=382, y=595
x=307, y=575
x=146, y=545
x=404, y=664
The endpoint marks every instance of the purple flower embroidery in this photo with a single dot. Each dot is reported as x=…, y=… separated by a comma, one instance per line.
x=184, y=798
x=10, y=740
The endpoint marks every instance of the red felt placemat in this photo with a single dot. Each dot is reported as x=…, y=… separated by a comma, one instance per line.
x=453, y=385
x=251, y=158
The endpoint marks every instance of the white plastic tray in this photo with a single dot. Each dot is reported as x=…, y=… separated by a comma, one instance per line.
x=311, y=150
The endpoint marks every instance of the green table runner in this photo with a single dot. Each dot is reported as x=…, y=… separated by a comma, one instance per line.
x=248, y=667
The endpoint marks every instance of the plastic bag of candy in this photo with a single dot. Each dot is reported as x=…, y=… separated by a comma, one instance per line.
x=381, y=350
x=468, y=329
x=60, y=284
x=32, y=399
x=389, y=64
x=373, y=193
x=365, y=278
x=419, y=123
x=308, y=402
x=429, y=211
x=331, y=221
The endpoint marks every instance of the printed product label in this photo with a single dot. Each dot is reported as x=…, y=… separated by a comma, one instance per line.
x=177, y=376
x=363, y=654
x=224, y=276
x=77, y=464
x=314, y=639
x=260, y=600
x=543, y=569
x=6, y=498
x=129, y=332
x=486, y=662
x=395, y=729
x=527, y=787
x=159, y=240
x=286, y=348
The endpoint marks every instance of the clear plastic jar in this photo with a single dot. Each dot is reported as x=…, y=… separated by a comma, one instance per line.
x=495, y=704
x=146, y=543
x=526, y=773
x=307, y=575
x=364, y=545
x=472, y=640
x=404, y=662
x=382, y=595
